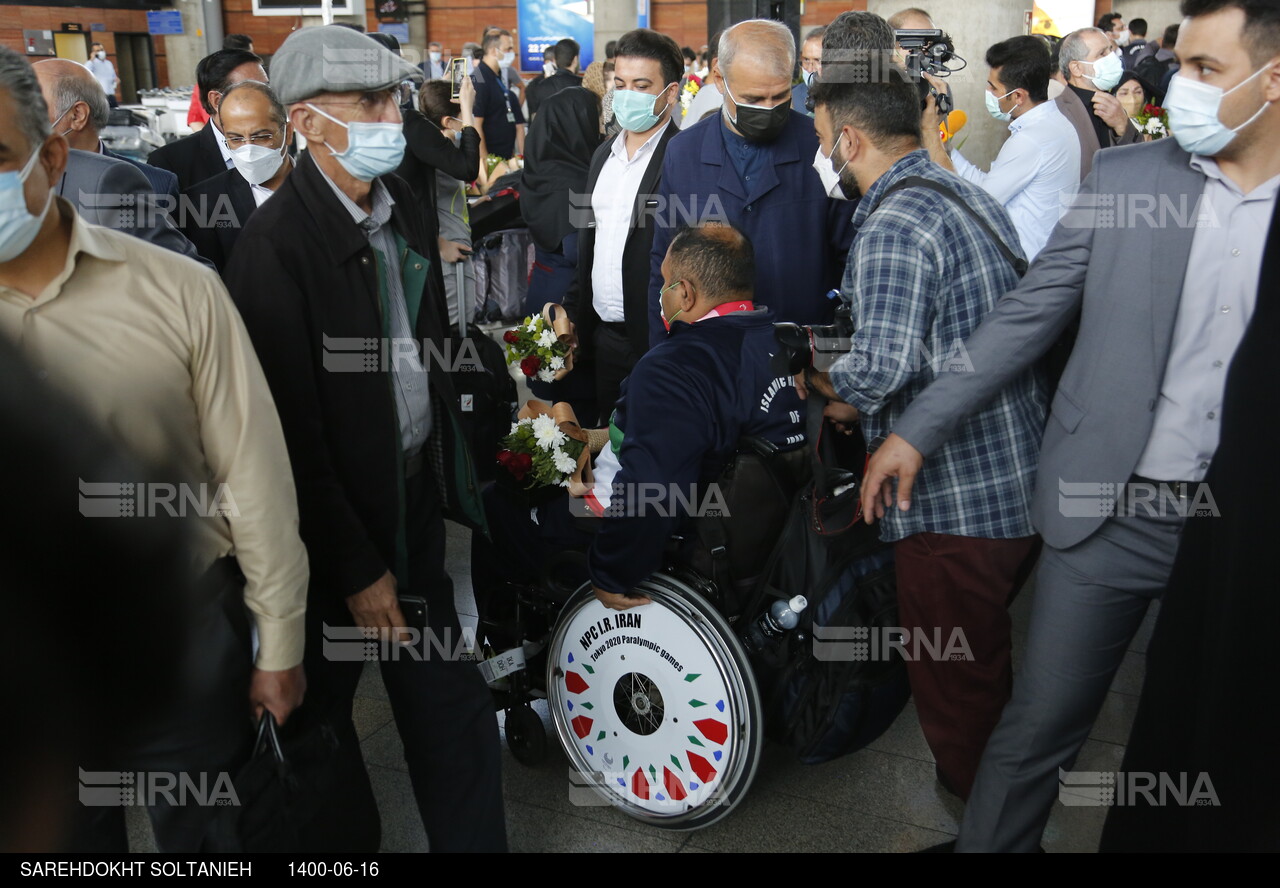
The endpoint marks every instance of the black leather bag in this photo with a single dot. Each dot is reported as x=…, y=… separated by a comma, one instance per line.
x=282, y=790
x=486, y=394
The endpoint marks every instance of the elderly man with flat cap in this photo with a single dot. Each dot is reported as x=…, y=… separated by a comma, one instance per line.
x=332, y=277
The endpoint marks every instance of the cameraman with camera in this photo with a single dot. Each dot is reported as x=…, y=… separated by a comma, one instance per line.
x=925, y=267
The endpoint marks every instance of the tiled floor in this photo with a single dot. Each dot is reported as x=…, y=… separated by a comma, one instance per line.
x=883, y=798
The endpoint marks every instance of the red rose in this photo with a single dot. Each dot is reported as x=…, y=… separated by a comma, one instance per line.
x=510, y=336
x=521, y=464
x=530, y=365
x=505, y=457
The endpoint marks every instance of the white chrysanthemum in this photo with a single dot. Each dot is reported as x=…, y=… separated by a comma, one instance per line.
x=546, y=339
x=545, y=431
x=545, y=375
x=557, y=363
x=565, y=464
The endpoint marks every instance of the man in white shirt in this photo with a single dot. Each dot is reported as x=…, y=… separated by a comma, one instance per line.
x=610, y=307
x=1040, y=162
x=105, y=72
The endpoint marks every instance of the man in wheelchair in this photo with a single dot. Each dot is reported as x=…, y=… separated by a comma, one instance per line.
x=687, y=404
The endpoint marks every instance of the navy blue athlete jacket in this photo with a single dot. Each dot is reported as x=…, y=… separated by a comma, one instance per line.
x=685, y=406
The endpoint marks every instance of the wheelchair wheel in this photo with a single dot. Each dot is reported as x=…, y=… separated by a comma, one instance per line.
x=656, y=706
x=526, y=737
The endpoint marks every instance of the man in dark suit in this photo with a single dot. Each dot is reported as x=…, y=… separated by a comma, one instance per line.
x=565, y=53
x=198, y=156
x=752, y=166
x=337, y=259
x=75, y=99
x=610, y=305
x=1092, y=69
x=215, y=211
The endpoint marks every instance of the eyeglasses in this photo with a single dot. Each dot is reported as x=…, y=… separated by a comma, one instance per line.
x=372, y=102
x=263, y=138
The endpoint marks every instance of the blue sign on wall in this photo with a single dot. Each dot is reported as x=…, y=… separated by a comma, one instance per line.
x=543, y=22
x=398, y=30
x=642, y=13
x=167, y=21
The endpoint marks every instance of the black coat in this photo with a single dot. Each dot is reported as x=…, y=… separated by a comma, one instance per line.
x=1209, y=701
x=303, y=273
x=542, y=88
x=215, y=213
x=635, y=254
x=192, y=158
x=428, y=150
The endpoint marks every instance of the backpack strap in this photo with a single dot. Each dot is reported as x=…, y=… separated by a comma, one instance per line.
x=1018, y=263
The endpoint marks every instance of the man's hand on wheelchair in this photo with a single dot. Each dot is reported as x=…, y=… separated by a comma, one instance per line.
x=895, y=458
x=841, y=415
x=817, y=381
x=618, y=601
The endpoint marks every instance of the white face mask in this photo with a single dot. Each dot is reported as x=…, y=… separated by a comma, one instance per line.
x=18, y=226
x=434, y=56
x=548, y=68
x=506, y=60
x=1193, y=114
x=100, y=54
x=258, y=163
x=830, y=177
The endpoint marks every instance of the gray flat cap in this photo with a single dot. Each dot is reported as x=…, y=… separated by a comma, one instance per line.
x=333, y=59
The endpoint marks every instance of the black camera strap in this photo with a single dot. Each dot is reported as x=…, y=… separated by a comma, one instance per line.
x=1017, y=262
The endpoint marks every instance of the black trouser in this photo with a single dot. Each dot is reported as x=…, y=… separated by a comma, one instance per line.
x=443, y=710
x=206, y=733
x=614, y=359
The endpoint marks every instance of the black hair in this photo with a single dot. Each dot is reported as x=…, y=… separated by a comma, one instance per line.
x=611, y=49
x=1138, y=27
x=549, y=54
x=492, y=39
x=237, y=41
x=885, y=106
x=1107, y=22
x=1261, y=31
x=436, y=102
x=213, y=72
x=648, y=44
x=1024, y=64
x=566, y=51
x=851, y=42
x=717, y=257
x=1170, y=39
x=688, y=53
x=388, y=42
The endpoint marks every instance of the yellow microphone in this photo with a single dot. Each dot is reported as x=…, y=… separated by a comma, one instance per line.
x=953, y=124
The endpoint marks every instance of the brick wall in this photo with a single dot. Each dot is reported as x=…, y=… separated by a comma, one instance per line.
x=16, y=19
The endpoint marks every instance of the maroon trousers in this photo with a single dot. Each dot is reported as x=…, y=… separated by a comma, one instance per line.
x=948, y=583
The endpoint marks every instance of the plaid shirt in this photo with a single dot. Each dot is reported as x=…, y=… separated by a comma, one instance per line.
x=920, y=277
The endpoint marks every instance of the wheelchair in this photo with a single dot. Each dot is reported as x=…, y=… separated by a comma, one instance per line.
x=657, y=708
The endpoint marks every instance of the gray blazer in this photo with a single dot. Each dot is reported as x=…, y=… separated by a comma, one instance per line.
x=1082, y=119
x=1103, y=412
x=115, y=194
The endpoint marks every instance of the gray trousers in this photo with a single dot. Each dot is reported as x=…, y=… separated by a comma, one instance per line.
x=1089, y=601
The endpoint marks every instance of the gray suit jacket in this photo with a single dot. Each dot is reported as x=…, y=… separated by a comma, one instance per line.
x=1082, y=119
x=115, y=194
x=1103, y=412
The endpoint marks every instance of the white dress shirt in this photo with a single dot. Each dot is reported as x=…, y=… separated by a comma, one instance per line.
x=1035, y=174
x=613, y=202
x=1219, y=293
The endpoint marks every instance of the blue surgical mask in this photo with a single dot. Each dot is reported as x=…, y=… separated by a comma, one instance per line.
x=1107, y=72
x=18, y=227
x=993, y=105
x=635, y=110
x=373, y=149
x=1193, y=114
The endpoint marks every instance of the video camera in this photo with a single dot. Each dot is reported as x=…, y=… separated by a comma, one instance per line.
x=817, y=346
x=929, y=51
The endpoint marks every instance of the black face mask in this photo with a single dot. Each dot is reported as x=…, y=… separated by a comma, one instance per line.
x=760, y=124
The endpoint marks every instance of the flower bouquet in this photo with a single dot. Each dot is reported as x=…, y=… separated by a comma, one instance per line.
x=690, y=90
x=542, y=347
x=545, y=451
x=1152, y=122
